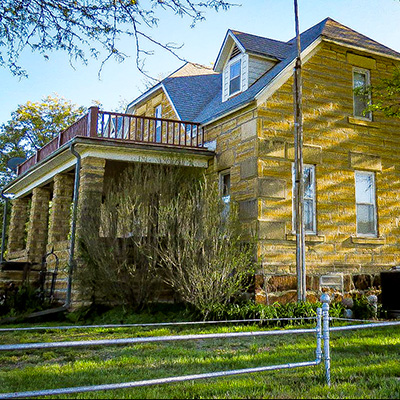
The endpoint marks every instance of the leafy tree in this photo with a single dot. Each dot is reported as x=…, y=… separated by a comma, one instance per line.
x=386, y=95
x=82, y=27
x=31, y=126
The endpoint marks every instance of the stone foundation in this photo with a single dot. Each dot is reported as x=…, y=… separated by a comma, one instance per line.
x=283, y=288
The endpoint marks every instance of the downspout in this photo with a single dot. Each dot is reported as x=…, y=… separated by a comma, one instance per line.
x=3, y=232
x=71, y=261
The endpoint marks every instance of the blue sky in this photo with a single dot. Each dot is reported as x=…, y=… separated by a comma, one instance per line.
x=121, y=82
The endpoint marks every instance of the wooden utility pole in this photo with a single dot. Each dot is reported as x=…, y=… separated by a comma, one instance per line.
x=299, y=180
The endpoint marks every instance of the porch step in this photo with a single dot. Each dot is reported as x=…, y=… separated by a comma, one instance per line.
x=19, y=266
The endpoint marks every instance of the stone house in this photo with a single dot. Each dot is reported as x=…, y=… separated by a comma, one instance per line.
x=236, y=121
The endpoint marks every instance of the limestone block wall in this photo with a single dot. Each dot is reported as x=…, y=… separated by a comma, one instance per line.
x=17, y=228
x=38, y=224
x=147, y=109
x=257, y=146
x=337, y=144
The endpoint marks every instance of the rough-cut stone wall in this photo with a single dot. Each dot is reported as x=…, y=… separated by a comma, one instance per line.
x=257, y=145
x=337, y=145
x=17, y=226
x=148, y=108
x=236, y=152
x=38, y=225
x=60, y=216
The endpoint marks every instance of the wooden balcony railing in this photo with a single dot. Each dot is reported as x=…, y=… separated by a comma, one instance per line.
x=125, y=128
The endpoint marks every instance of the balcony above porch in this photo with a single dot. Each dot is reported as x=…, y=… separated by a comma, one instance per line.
x=116, y=137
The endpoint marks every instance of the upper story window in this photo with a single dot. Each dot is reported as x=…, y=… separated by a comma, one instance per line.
x=361, y=94
x=310, y=204
x=366, y=204
x=158, y=114
x=235, y=77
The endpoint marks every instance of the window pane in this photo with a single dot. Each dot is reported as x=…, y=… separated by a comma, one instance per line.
x=226, y=185
x=234, y=86
x=308, y=183
x=361, y=99
x=308, y=216
x=365, y=219
x=360, y=80
x=364, y=188
x=235, y=69
x=235, y=77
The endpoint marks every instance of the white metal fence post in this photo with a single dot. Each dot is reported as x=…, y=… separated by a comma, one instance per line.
x=325, y=300
x=319, y=336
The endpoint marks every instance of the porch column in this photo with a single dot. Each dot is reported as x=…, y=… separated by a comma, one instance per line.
x=90, y=193
x=60, y=216
x=38, y=224
x=18, y=220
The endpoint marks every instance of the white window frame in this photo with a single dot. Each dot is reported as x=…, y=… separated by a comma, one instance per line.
x=375, y=214
x=237, y=59
x=314, y=200
x=367, y=73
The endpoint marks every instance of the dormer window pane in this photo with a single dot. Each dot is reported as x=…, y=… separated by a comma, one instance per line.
x=235, y=77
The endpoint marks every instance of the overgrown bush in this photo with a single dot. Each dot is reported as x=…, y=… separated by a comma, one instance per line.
x=163, y=224
x=204, y=257
x=251, y=310
x=16, y=300
x=119, y=243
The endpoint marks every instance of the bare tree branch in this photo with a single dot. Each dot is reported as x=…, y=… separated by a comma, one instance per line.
x=87, y=28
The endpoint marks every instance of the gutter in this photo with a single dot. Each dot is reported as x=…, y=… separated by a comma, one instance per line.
x=71, y=261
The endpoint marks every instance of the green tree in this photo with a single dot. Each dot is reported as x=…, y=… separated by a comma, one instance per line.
x=31, y=126
x=386, y=95
x=83, y=27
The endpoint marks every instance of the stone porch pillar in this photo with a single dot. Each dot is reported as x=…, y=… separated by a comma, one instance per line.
x=60, y=216
x=90, y=194
x=18, y=220
x=38, y=225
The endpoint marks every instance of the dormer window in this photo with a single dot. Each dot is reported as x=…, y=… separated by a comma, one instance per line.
x=235, y=77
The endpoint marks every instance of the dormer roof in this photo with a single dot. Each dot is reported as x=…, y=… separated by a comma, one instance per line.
x=251, y=44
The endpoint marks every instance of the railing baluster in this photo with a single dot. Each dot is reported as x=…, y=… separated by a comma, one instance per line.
x=140, y=129
x=102, y=125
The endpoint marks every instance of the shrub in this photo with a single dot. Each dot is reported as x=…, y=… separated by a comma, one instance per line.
x=16, y=301
x=251, y=310
x=162, y=224
x=204, y=257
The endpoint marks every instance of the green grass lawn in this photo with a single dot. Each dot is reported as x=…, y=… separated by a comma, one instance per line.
x=365, y=364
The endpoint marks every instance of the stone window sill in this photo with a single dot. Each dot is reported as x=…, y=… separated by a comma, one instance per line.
x=368, y=240
x=308, y=238
x=362, y=122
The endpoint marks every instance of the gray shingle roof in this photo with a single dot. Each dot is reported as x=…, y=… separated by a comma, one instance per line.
x=191, y=88
x=196, y=91
x=263, y=46
x=332, y=29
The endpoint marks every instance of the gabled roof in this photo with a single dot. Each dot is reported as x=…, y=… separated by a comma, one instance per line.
x=263, y=46
x=191, y=88
x=331, y=29
x=195, y=91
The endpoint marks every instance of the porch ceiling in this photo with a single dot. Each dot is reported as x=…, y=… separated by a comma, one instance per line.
x=63, y=160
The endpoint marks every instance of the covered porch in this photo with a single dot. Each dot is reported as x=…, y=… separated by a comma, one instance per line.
x=71, y=171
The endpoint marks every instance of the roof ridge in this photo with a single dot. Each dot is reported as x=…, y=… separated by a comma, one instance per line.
x=258, y=36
